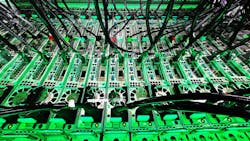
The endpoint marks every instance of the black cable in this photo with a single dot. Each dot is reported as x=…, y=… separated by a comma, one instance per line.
x=151, y=46
x=147, y=22
x=26, y=44
x=51, y=29
x=210, y=26
x=121, y=28
x=54, y=32
x=73, y=23
x=194, y=22
x=106, y=14
x=14, y=48
x=106, y=34
x=203, y=107
x=190, y=97
x=139, y=53
x=113, y=45
x=77, y=30
x=177, y=32
x=46, y=21
x=65, y=4
x=211, y=10
x=175, y=102
x=11, y=46
x=62, y=10
x=198, y=8
x=100, y=18
x=117, y=11
x=168, y=11
x=7, y=10
x=182, y=4
x=231, y=40
x=159, y=5
x=114, y=25
x=126, y=23
x=126, y=7
x=98, y=13
x=104, y=28
x=8, y=3
x=13, y=2
x=141, y=7
x=56, y=15
x=10, y=15
x=87, y=7
x=9, y=111
x=241, y=43
x=182, y=98
x=183, y=106
x=157, y=29
x=232, y=47
x=238, y=28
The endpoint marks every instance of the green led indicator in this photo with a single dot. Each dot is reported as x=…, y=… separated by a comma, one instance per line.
x=128, y=17
x=26, y=120
x=245, y=36
x=60, y=16
x=82, y=17
x=129, y=39
x=66, y=39
x=94, y=17
x=144, y=39
x=82, y=39
x=151, y=17
x=140, y=17
x=174, y=17
x=22, y=15
x=186, y=18
x=92, y=39
x=189, y=6
x=203, y=38
x=117, y=17
x=34, y=16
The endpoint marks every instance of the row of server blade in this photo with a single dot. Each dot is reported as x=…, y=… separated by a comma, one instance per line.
x=103, y=80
